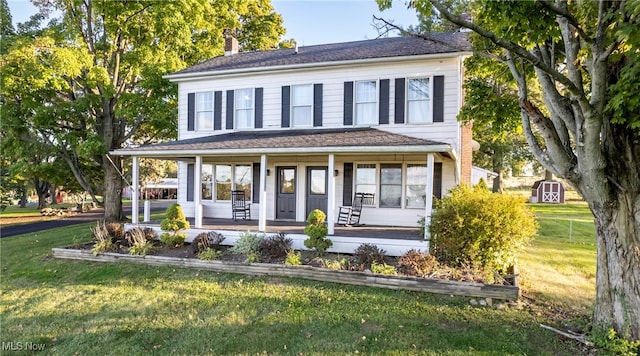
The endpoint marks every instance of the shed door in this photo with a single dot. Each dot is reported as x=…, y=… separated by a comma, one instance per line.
x=286, y=194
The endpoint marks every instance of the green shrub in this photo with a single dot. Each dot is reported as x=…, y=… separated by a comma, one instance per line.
x=293, y=258
x=207, y=240
x=336, y=265
x=608, y=340
x=275, y=246
x=317, y=231
x=104, y=241
x=172, y=240
x=247, y=244
x=173, y=223
x=416, y=263
x=382, y=268
x=366, y=254
x=138, y=243
x=209, y=254
x=478, y=228
x=253, y=257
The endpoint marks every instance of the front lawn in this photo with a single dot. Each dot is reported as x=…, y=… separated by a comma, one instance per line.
x=93, y=308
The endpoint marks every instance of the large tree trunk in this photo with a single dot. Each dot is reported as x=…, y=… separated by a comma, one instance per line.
x=112, y=190
x=618, y=272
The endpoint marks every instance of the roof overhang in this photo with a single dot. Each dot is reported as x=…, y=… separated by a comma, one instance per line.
x=305, y=66
x=291, y=142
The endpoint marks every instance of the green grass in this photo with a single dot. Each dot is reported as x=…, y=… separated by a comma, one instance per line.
x=94, y=308
x=559, y=267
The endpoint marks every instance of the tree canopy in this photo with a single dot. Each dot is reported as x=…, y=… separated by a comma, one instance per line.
x=92, y=80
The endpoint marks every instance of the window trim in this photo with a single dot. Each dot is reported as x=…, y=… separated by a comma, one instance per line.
x=375, y=103
x=196, y=111
x=292, y=124
x=236, y=109
x=407, y=100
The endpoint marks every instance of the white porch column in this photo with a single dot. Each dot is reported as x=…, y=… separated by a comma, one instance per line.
x=135, y=194
x=262, y=216
x=331, y=195
x=197, y=191
x=428, y=191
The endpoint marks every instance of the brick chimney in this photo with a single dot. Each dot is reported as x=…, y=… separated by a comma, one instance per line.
x=230, y=46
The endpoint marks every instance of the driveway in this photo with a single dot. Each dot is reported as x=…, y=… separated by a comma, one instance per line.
x=93, y=215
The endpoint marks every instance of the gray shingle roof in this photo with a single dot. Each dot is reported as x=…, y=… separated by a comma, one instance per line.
x=288, y=139
x=450, y=42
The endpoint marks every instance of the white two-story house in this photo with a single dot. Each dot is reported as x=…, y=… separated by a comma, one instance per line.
x=306, y=128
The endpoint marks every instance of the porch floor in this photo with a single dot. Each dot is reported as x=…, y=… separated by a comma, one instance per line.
x=293, y=227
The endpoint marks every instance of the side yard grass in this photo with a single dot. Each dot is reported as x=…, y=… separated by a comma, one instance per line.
x=92, y=308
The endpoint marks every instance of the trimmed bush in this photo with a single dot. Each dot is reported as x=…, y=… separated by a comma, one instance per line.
x=478, y=228
x=173, y=223
x=148, y=233
x=317, y=231
x=275, y=246
x=116, y=231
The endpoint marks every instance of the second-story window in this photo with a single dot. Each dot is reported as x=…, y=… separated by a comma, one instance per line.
x=418, y=100
x=204, y=111
x=244, y=107
x=301, y=105
x=366, y=102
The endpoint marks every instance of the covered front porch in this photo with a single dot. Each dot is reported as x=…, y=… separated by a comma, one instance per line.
x=395, y=240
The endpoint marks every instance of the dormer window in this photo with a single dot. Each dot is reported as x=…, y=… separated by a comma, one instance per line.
x=366, y=103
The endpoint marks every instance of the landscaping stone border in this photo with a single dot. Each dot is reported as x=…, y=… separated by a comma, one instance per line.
x=437, y=286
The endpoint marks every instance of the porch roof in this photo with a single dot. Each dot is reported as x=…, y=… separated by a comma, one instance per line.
x=308, y=141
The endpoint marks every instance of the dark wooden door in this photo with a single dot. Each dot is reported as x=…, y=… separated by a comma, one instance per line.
x=286, y=193
x=317, y=189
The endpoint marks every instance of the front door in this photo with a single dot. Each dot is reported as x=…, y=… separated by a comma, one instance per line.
x=316, y=189
x=286, y=194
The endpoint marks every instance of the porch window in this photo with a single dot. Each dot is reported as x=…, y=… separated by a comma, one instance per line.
x=301, y=105
x=416, y=184
x=242, y=179
x=365, y=178
x=244, y=107
x=366, y=102
x=204, y=111
x=223, y=182
x=390, y=185
x=418, y=100
x=207, y=182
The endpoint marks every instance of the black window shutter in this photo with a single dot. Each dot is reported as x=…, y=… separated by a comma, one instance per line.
x=383, y=103
x=317, y=105
x=438, y=98
x=217, y=110
x=437, y=180
x=347, y=190
x=190, y=176
x=256, y=182
x=286, y=106
x=348, y=103
x=230, y=101
x=191, y=111
x=399, y=102
x=258, y=108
